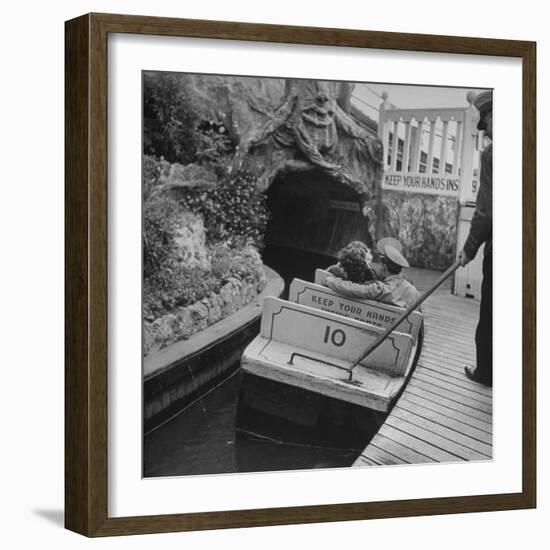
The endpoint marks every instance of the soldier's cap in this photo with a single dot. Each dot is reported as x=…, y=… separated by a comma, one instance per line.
x=388, y=240
x=484, y=104
x=393, y=255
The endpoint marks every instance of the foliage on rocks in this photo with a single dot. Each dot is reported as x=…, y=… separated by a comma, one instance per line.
x=201, y=227
x=168, y=122
x=161, y=216
x=234, y=218
x=174, y=130
x=426, y=225
x=233, y=211
x=176, y=285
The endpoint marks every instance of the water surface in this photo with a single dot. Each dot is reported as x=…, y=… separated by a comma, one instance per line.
x=203, y=439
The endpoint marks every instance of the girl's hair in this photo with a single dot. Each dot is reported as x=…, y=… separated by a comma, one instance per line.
x=354, y=259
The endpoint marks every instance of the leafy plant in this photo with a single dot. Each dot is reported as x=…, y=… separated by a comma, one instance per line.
x=160, y=220
x=235, y=218
x=175, y=285
x=233, y=211
x=212, y=142
x=172, y=127
x=169, y=123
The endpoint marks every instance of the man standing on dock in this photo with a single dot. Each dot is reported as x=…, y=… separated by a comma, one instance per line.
x=481, y=231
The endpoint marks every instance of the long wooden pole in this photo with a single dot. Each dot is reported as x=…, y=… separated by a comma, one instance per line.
x=404, y=315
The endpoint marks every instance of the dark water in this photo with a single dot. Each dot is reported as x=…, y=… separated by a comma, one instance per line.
x=203, y=438
x=291, y=263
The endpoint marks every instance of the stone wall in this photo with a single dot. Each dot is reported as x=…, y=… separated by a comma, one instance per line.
x=188, y=320
x=426, y=225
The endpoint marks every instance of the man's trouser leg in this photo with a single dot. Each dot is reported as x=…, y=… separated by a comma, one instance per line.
x=484, y=332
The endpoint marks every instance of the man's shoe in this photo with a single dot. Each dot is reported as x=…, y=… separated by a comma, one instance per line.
x=473, y=375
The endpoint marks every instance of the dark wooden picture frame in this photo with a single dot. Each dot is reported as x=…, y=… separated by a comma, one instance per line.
x=86, y=283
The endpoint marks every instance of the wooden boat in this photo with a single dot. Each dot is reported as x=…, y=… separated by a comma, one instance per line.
x=298, y=369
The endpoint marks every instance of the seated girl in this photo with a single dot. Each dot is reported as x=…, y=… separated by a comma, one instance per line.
x=354, y=263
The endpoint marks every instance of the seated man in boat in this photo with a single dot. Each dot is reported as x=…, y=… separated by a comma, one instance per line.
x=391, y=288
x=354, y=263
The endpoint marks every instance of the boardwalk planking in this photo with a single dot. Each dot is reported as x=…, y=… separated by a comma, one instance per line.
x=457, y=422
x=459, y=380
x=459, y=398
x=450, y=405
x=400, y=451
x=451, y=431
x=364, y=461
x=433, y=436
x=455, y=387
x=441, y=416
x=412, y=402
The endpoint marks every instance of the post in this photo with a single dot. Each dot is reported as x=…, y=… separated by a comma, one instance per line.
x=395, y=145
x=458, y=148
x=430, y=161
x=417, y=147
x=383, y=129
x=469, y=134
x=406, y=147
x=443, y=150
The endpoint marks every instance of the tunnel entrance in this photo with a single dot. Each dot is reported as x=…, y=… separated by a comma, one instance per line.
x=311, y=217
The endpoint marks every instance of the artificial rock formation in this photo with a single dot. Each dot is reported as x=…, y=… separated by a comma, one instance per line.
x=282, y=126
x=310, y=129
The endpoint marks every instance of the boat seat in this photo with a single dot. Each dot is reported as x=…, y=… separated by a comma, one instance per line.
x=333, y=336
x=368, y=311
x=314, y=349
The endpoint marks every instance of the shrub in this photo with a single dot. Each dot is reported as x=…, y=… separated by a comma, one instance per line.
x=160, y=220
x=152, y=170
x=228, y=261
x=212, y=143
x=168, y=121
x=176, y=285
x=172, y=127
x=233, y=211
x=235, y=218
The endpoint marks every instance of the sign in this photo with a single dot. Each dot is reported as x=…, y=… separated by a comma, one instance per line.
x=314, y=333
x=366, y=311
x=430, y=184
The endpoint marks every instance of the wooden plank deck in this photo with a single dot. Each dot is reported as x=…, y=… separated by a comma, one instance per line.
x=441, y=416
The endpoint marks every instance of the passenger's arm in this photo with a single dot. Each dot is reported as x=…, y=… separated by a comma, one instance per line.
x=337, y=271
x=372, y=290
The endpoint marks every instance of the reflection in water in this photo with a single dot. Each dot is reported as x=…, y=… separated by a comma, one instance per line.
x=290, y=263
x=203, y=439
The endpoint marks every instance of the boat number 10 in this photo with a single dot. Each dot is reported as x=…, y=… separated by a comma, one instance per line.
x=336, y=336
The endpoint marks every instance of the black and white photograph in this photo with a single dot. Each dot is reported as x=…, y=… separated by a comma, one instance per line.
x=248, y=262
x=316, y=274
